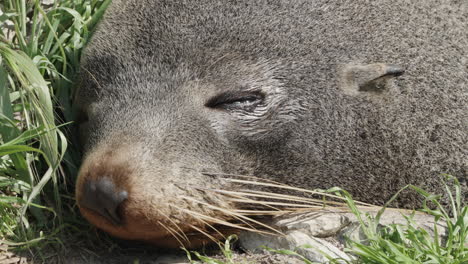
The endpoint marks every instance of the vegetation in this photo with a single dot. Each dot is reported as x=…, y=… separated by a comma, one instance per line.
x=40, y=49
x=412, y=244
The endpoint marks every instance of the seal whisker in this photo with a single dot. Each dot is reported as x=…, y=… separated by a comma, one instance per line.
x=182, y=233
x=226, y=212
x=222, y=222
x=171, y=231
x=319, y=203
x=250, y=201
x=238, y=216
x=291, y=197
x=271, y=195
x=287, y=187
x=262, y=212
x=212, y=227
x=205, y=234
x=275, y=184
x=239, y=176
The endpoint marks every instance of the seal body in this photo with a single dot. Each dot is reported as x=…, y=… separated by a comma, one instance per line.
x=306, y=93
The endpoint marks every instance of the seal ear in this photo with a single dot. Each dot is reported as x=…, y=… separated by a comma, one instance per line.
x=357, y=78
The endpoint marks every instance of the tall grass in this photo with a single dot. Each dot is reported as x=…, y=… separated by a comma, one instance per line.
x=40, y=49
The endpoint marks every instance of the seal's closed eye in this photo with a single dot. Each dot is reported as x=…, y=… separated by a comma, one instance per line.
x=229, y=100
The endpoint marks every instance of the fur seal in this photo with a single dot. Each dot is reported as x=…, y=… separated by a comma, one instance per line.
x=366, y=95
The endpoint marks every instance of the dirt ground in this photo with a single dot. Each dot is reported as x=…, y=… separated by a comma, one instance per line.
x=133, y=254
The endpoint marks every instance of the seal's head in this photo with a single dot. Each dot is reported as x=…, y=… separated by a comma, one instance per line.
x=152, y=138
x=299, y=92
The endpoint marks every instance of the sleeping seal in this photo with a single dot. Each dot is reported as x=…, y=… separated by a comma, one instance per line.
x=175, y=97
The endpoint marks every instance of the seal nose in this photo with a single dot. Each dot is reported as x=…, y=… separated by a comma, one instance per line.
x=102, y=197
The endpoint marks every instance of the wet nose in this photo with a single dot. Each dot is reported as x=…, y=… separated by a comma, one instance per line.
x=103, y=197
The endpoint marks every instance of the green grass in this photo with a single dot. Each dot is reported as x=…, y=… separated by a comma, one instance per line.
x=226, y=251
x=39, y=58
x=411, y=244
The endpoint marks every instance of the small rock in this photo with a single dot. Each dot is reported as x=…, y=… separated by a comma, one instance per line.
x=315, y=249
x=47, y=3
x=321, y=224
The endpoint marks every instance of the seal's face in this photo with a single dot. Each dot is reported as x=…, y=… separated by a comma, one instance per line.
x=175, y=93
x=150, y=145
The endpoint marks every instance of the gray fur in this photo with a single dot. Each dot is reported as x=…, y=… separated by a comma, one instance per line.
x=152, y=66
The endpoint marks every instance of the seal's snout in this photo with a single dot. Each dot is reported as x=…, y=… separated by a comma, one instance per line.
x=103, y=197
x=131, y=193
